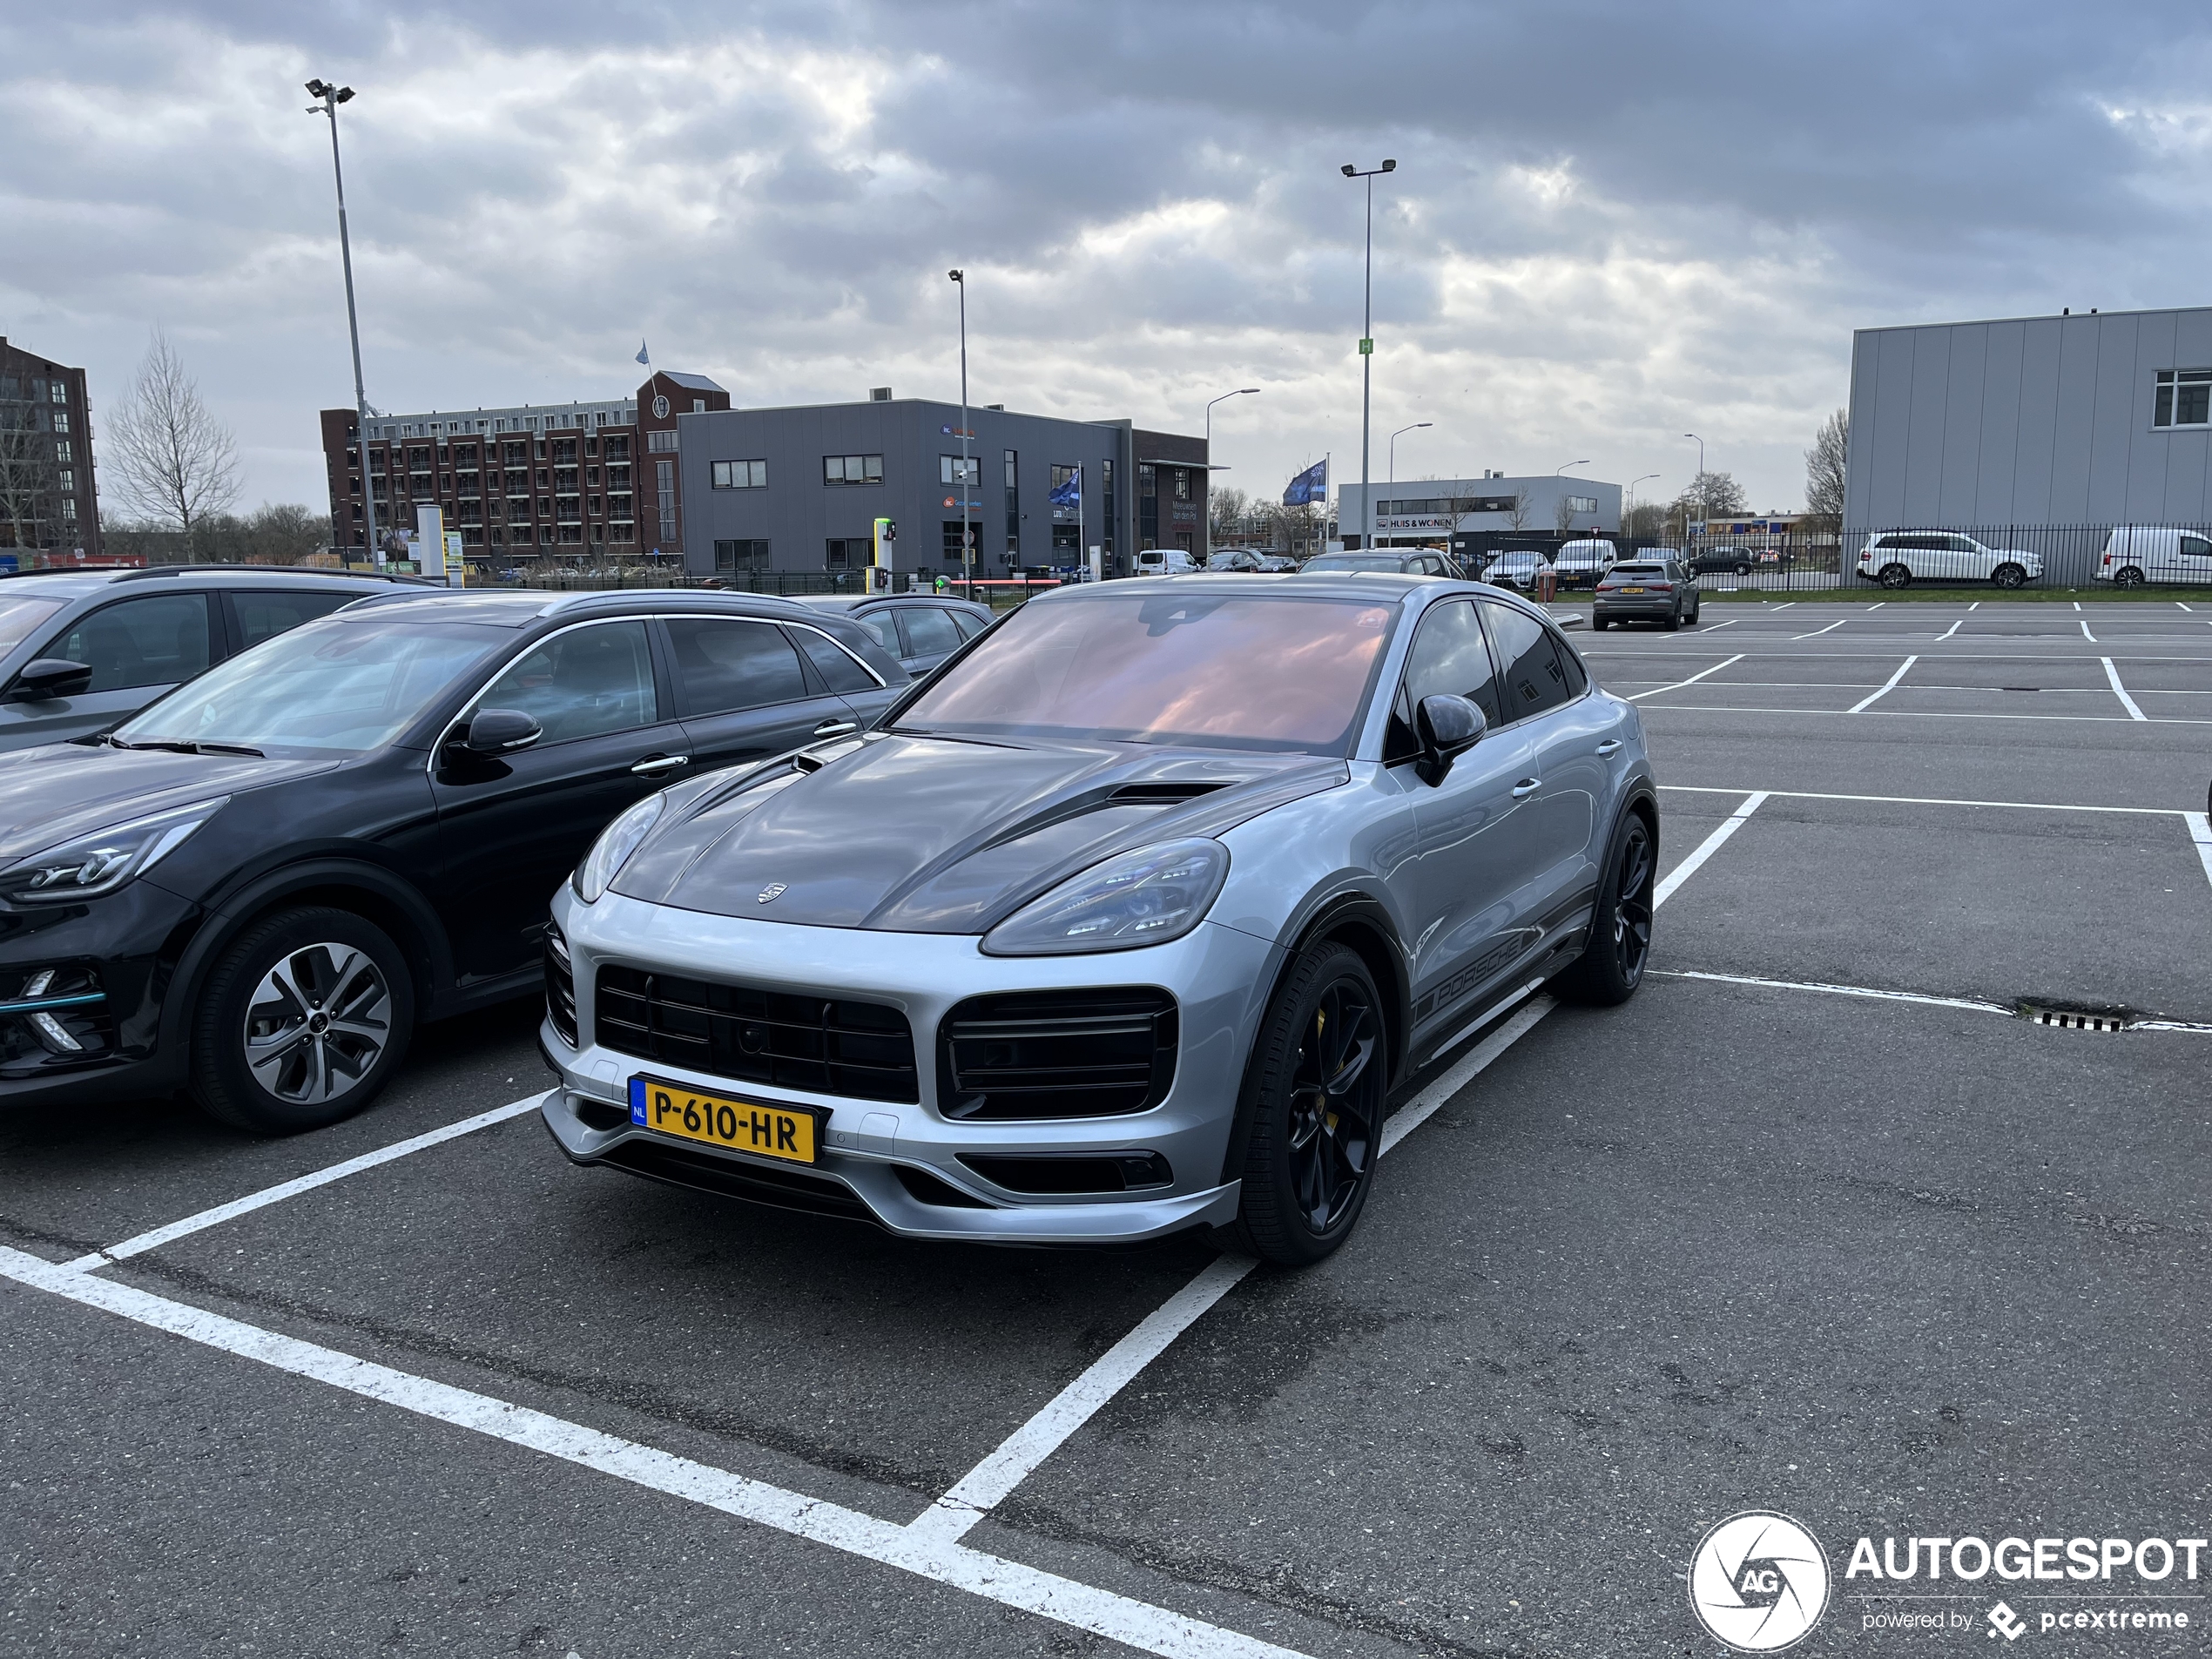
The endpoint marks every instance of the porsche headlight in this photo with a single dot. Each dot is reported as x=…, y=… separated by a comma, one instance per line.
x=87, y=865
x=1146, y=896
x=613, y=850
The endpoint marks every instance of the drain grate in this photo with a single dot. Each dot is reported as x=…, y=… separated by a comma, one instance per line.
x=2078, y=1016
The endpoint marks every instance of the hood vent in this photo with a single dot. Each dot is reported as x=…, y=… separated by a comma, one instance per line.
x=1163, y=794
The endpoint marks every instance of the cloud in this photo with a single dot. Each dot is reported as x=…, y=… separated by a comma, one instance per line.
x=1610, y=224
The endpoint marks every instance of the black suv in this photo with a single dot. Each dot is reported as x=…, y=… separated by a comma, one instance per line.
x=256, y=887
x=80, y=649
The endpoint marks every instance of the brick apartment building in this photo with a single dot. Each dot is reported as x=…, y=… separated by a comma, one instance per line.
x=47, y=497
x=578, y=480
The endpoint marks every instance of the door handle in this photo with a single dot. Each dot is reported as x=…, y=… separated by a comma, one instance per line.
x=836, y=728
x=653, y=766
x=1527, y=786
x=1611, y=745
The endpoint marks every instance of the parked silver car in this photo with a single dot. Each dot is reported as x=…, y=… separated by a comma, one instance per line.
x=920, y=629
x=1123, y=923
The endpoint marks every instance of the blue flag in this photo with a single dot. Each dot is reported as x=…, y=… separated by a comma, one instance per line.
x=1310, y=486
x=1071, y=493
x=641, y=354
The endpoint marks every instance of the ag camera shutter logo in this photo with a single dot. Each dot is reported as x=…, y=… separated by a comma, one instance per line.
x=1759, y=1582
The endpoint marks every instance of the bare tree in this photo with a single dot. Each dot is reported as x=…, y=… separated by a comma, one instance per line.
x=172, y=461
x=1227, y=505
x=27, y=479
x=1563, y=515
x=1714, y=495
x=1825, y=471
x=1517, y=513
x=1648, y=519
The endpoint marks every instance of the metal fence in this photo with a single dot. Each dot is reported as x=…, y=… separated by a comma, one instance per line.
x=2069, y=554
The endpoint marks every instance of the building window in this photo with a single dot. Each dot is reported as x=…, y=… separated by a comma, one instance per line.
x=666, y=489
x=619, y=449
x=739, y=475
x=63, y=453
x=1148, y=507
x=2184, y=398
x=623, y=533
x=954, y=530
x=1106, y=505
x=851, y=470
x=1581, y=503
x=618, y=507
x=1183, y=483
x=1013, y=504
x=741, y=555
x=660, y=443
x=59, y=391
x=959, y=469
x=564, y=449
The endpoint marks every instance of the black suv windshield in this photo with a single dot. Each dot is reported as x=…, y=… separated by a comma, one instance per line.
x=335, y=684
x=1278, y=673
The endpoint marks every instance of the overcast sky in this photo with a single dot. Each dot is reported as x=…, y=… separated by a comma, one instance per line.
x=1611, y=224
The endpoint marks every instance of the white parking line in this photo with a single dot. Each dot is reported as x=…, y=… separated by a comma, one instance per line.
x=1973, y=1003
x=1706, y=848
x=2086, y=634
x=2185, y=607
x=1817, y=633
x=1917, y=714
x=1936, y=800
x=1888, y=686
x=1952, y=629
x=144, y=1242
x=1975, y=606
x=1877, y=604
x=2121, y=691
x=2200, y=832
x=1678, y=685
x=1715, y=627
x=1118, y=1618
x=2077, y=604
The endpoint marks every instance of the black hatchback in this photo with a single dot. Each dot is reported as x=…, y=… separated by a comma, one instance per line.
x=255, y=887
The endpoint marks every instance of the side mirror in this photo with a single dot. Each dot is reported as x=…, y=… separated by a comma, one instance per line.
x=1450, y=725
x=498, y=732
x=49, y=677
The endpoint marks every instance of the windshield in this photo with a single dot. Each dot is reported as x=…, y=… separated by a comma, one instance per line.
x=343, y=685
x=1355, y=562
x=1273, y=673
x=19, y=615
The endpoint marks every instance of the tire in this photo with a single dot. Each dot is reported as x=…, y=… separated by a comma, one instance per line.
x=1312, y=1111
x=1743, y=570
x=2009, y=576
x=284, y=975
x=1896, y=575
x=1612, y=964
x=2129, y=578
x=1673, y=624
x=1696, y=611
x=1598, y=624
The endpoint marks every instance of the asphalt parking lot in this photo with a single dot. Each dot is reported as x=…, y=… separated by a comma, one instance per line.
x=1817, y=1223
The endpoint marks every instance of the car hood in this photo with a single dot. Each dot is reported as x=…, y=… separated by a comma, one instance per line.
x=52, y=793
x=942, y=835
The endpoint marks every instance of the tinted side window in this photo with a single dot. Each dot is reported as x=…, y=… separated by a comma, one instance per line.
x=158, y=640
x=930, y=631
x=879, y=623
x=726, y=665
x=835, y=665
x=969, y=626
x=582, y=682
x=264, y=616
x=1449, y=654
x=1532, y=677
x=2195, y=546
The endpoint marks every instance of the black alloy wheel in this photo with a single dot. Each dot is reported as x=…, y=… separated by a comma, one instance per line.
x=2009, y=576
x=1896, y=575
x=1312, y=1114
x=1612, y=963
x=2130, y=577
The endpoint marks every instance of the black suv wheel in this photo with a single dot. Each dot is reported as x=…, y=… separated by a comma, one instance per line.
x=302, y=1022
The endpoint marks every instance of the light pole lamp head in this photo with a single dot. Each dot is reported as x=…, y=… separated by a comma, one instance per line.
x=318, y=88
x=1390, y=166
x=1350, y=171
x=1246, y=391
x=958, y=276
x=344, y=94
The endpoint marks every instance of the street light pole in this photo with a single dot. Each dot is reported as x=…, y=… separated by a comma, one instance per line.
x=332, y=97
x=1630, y=508
x=1394, y=436
x=1242, y=391
x=1367, y=355
x=967, y=530
x=1702, y=491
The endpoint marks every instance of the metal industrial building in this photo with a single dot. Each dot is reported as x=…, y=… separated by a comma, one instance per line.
x=1432, y=510
x=2077, y=421
x=799, y=489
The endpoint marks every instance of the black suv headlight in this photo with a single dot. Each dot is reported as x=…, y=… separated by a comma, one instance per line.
x=90, y=865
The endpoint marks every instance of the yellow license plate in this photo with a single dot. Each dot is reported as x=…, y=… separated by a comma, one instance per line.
x=1628, y=590
x=792, y=1133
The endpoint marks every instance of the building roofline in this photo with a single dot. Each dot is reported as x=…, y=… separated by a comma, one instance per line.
x=2067, y=316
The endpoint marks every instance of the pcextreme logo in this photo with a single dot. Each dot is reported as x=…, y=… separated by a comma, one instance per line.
x=1759, y=1582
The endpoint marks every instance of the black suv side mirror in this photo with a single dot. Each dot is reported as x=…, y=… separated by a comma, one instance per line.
x=48, y=677
x=498, y=732
x=1450, y=725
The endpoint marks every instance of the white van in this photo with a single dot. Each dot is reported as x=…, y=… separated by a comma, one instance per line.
x=1165, y=561
x=2136, y=555
x=1583, y=564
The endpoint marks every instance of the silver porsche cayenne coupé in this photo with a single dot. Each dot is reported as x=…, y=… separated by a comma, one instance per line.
x=1121, y=923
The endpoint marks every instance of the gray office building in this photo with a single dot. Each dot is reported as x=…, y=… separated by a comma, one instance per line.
x=2090, y=419
x=799, y=490
x=1435, y=509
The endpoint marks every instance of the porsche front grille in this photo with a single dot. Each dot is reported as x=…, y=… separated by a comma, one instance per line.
x=820, y=1045
x=1057, y=1054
